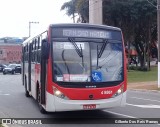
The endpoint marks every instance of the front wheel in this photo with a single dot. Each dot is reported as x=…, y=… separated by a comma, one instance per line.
x=41, y=109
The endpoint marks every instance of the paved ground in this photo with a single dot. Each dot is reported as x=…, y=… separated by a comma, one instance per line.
x=14, y=104
x=153, y=85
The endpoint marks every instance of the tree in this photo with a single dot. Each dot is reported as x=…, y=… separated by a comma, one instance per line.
x=81, y=7
x=83, y=10
x=136, y=18
x=70, y=8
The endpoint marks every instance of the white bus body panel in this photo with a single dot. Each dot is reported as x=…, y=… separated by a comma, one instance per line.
x=55, y=104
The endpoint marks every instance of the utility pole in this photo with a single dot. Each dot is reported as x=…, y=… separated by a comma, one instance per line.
x=30, y=27
x=158, y=30
x=95, y=12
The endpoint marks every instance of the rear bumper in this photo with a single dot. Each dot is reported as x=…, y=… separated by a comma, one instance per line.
x=56, y=104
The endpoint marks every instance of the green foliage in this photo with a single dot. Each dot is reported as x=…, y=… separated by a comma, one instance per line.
x=133, y=68
x=143, y=76
x=138, y=68
x=70, y=7
x=77, y=6
x=83, y=10
x=136, y=18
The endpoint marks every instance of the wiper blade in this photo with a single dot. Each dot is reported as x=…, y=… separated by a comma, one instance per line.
x=79, y=52
x=102, y=48
x=99, y=53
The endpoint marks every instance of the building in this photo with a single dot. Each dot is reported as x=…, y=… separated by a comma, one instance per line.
x=10, y=51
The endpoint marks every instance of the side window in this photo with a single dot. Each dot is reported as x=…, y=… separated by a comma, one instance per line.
x=32, y=52
x=27, y=51
x=38, y=42
x=44, y=36
x=24, y=53
x=35, y=50
x=35, y=44
x=39, y=50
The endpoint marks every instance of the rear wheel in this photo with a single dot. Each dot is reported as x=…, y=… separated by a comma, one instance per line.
x=26, y=91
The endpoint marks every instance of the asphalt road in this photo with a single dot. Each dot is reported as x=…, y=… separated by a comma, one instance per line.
x=14, y=104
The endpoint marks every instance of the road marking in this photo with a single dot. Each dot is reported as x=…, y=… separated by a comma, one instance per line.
x=1, y=93
x=120, y=114
x=145, y=99
x=5, y=94
x=115, y=113
x=145, y=106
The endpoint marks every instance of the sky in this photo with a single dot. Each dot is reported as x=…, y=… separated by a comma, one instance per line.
x=15, y=16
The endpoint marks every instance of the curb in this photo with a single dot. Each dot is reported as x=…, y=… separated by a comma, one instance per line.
x=145, y=90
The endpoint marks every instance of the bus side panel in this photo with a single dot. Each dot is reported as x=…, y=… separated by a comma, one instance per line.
x=50, y=103
x=125, y=65
x=26, y=74
x=123, y=100
x=33, y=81
x=23, y=65
x=43, y=73
x=29, y=69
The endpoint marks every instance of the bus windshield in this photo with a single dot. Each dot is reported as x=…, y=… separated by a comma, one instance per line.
x=87, y=60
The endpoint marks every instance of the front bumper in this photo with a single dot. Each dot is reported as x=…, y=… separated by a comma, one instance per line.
x=57, y=104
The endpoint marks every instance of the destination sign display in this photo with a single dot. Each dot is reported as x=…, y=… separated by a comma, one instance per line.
x=86, y=33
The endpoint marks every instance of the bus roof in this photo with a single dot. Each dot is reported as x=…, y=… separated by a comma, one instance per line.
x=81, y=25
x=86, y=25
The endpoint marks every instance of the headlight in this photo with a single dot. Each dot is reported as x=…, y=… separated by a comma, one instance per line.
x=119, y=91
x=59, y=94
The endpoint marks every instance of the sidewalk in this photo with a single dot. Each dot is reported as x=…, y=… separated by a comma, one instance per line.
x=152, y=85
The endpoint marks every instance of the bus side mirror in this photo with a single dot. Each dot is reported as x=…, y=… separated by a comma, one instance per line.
x=45, y=50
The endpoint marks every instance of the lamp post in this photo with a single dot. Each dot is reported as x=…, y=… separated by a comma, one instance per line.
x=30, y=27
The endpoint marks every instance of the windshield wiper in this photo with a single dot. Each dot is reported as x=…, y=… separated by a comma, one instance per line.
x=99, y=53
x=102, y=48
x=79, y=51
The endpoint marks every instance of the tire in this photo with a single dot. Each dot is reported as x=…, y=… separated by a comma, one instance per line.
x=41, y=109
x=4, y=73
x=26, y=92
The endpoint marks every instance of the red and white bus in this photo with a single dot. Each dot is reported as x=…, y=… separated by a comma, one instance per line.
x=75, y=67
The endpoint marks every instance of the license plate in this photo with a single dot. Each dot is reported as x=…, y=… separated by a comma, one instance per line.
x=92, y=106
